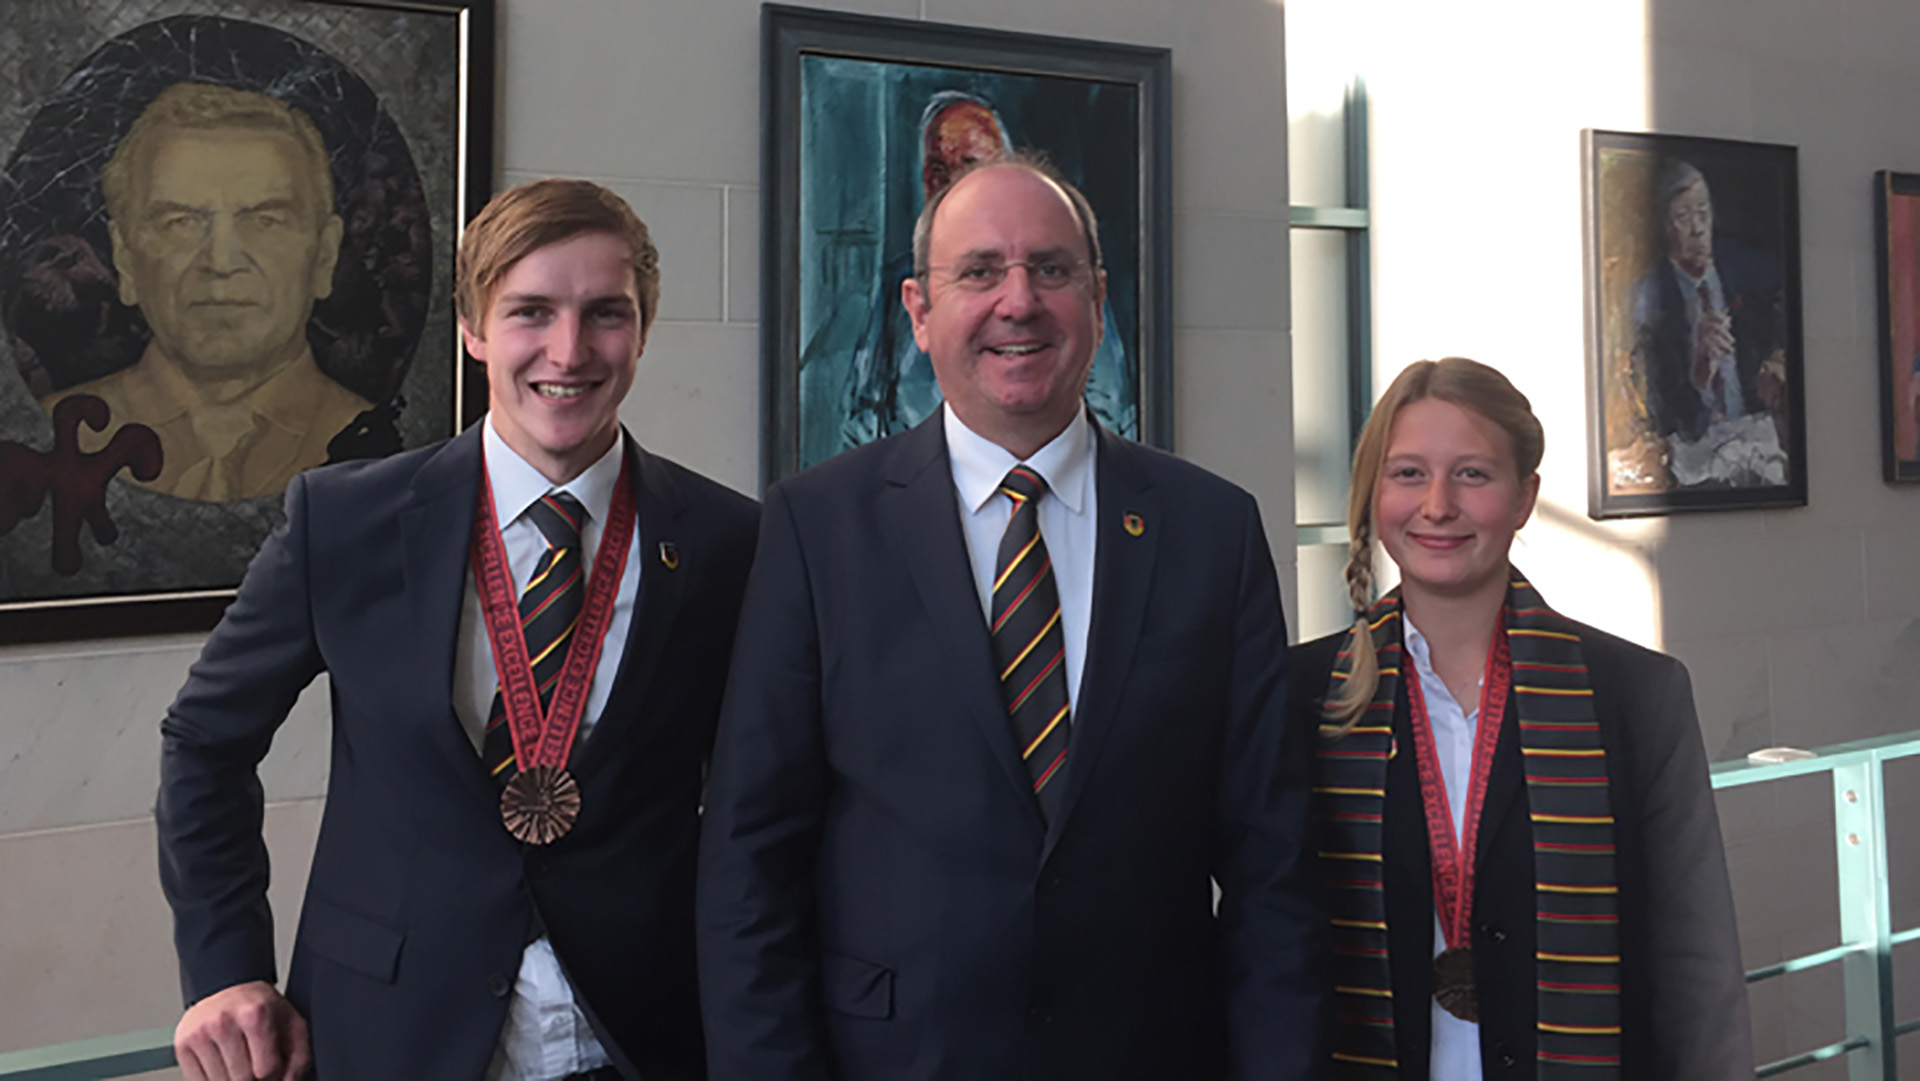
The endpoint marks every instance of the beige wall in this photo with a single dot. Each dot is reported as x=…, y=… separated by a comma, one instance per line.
x=661, y=101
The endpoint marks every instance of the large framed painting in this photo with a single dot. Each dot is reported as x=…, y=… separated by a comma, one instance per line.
x=1896, y=215
x=864, y=118
x=227, y=231
x=1695, y=367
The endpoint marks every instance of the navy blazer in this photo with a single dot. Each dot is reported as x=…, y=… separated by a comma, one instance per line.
x=419, y=903
x=880, y=897
x=1683, y=996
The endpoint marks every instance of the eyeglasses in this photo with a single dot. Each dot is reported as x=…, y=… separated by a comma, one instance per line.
x=985, y=275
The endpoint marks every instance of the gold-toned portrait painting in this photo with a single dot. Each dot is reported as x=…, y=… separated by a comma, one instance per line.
x=1694, y=358
x=226, y=250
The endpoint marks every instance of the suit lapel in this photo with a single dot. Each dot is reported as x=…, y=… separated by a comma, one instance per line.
x=656, y=605
x=436, y=530
x=922, y=518
x=1123, y=568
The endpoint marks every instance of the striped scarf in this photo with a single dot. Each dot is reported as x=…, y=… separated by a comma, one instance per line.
x=1578, y=960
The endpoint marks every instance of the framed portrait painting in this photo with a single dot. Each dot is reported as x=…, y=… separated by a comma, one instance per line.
x=865, y=118
x=1695, y=367
x=227, y=233
x=1896, y=215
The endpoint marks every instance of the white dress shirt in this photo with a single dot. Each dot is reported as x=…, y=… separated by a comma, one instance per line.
x=1067, y=517
x=1455, y=1054
x=545, y=1035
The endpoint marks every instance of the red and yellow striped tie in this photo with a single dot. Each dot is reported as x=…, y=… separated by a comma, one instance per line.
x=549, y=608
x=1028, y=644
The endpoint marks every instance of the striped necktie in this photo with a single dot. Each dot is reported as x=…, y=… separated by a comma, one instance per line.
x=1028, y=644
x=549, y=608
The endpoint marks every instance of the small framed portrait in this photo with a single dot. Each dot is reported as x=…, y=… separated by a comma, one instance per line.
x=865, y=119
x=1695, y=367
x=1896, y=215
x=227, y=234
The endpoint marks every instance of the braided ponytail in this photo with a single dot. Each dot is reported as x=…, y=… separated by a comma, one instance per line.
x=1346, y=707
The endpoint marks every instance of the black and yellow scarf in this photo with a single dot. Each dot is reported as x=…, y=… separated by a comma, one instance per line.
x=1578, y=966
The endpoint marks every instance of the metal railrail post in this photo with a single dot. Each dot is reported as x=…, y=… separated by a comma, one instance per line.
x=1859, y=817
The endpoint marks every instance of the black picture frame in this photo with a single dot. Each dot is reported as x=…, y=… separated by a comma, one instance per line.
x=1896, y=232
x=400, y=94
x=1685, y=412
x=1124, y=90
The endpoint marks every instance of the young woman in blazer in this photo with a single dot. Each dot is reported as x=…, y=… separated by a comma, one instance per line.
x=1524, y=864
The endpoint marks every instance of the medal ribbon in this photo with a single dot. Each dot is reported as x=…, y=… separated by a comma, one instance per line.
x=1453, y=861
x=546, y=740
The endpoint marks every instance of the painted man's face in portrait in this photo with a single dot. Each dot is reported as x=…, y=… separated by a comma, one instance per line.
x=1689, y=227
x=962, y=134
x=225, y=249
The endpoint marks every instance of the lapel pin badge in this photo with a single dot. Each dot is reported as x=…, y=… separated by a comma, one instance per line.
x=1135, y=524
x=670, y=555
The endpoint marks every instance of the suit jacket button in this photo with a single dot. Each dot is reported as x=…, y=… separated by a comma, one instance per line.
x=498, y=985
x=1505, y=1055
x=1494, y=934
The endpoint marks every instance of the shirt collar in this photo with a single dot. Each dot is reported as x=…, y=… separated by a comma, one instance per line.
x=1417, y=648
x=979, y=464
x=517, y=484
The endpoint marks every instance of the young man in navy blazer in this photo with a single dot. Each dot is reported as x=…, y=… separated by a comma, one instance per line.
x=907, y=871
x=434, y=942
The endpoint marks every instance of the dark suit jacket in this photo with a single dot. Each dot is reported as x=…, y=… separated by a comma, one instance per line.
x=1663, y=343
x=879, y=894
x=1683, y=993
x=419, y=902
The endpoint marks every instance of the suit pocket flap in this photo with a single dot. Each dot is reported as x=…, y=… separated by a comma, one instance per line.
x=350, y=939
x=857, y=988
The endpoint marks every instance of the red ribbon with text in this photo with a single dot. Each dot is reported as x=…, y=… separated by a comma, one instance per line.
x=1453, y=861
x=546, y=740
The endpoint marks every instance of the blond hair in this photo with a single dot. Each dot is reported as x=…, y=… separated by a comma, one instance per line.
x=522, y=220
x=1468, y=384
x=205, y=107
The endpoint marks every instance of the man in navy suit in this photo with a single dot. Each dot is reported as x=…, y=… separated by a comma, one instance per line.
x=909, y=872
x=452, y=929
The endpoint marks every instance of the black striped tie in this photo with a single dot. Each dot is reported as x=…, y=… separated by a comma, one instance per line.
x=549, y=607
x=1028, y=644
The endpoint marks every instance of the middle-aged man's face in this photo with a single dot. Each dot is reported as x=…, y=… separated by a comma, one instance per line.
x=1012, y=359
x=226, y=251
x=1689, y=227
x=962, y=134
x=561, y=340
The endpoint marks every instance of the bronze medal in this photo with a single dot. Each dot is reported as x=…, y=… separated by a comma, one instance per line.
x=540, y=804
x=1453, y=984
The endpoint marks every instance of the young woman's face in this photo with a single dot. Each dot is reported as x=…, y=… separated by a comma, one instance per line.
x=1450, y=499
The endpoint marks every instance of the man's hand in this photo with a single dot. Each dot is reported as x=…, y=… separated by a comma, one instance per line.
x=1712, y=339
x=247, y=1032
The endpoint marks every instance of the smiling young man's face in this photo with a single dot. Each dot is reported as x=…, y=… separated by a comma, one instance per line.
x=1011, y=358
x=561, y=339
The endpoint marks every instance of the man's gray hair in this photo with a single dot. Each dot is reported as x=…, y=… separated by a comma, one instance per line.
x=1674, y=177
